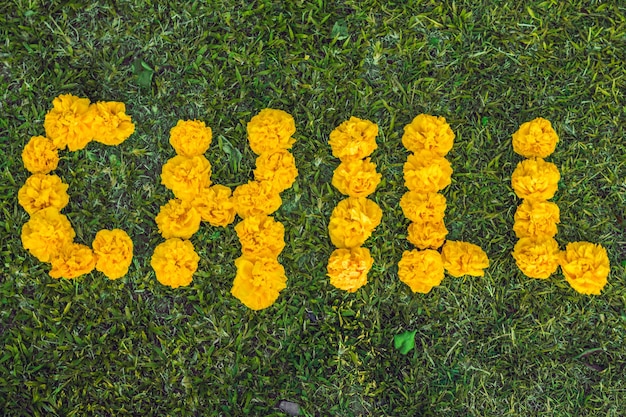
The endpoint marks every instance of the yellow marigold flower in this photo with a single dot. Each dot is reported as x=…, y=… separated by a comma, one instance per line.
x=585, y=266
x=41, y=191
x=421, y=270
x=356, y=177
x=353, y=221
x=111, y=125
x=537, y=257
x=46, y=232
x=270, y=130
x=72, y=260
x=256, y=198
x=174, y=262
x=463, y=258
x=430, y=133
x=40, y=156
x=114, y=252
x=354, y=139
x=535, y=179
x=178, y=218
x=186, y=176
x=191, y=137
x=69, y=123
x=536, y=218
x=423, y=207
x=427, y=234
x=427, y=172
x=535, y=139
x=258, y=282
x=276, y=167
x=260, y=237
x=215, y=205
x=348, y=268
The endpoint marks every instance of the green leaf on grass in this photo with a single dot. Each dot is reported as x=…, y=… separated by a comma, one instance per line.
x=340, y=30
x=404, y=342
x=144, y=73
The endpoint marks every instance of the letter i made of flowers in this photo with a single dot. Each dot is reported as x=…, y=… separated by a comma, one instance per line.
x=427, y=172
x=536, y=253
x=355, y=218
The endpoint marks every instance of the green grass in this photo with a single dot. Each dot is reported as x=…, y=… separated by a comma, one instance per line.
x=499, y=345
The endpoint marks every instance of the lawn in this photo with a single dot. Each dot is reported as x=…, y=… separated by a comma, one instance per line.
x=502, y=344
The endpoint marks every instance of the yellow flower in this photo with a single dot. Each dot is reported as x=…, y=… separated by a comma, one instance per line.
x=463, y=258
x=215, y=205
x=585, y=266
x=174, y=262
x=421, y=270
x=191, y=137
x=535, y=139
x=260, y=237
x=535, y=179
x=46, y=232
x=353, y=221
x=111, y=125
x=186, y=176
x=356, y=177
x=256, y=198
x=40, y=156
x=178, y=218
x=423, y=207
x=427, y=172
x=114, y=252
x=258, y=282
x=427, y=234
x=537, y=257
x=69, y=123
x=72, y=260
x=353, y=139
x=41, y=191
x=428, y=133
x=276, y=167
x=536, y=218
x=348, y=268
x=270, y=130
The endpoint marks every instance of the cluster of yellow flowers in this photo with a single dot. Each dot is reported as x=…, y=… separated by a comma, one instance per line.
x=536, y=253
x=260, y=277
x=196, y=200
x=72, y=122
x=355, y=218
x=427, y=172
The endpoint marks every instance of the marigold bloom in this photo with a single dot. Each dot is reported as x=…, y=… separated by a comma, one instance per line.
x=277, y=168
x=348, y=268
x=270, y=130
x=353, y=221
x=535, y=179
x=71, y=261
x=260, y=237
x=186, y=176
x=463, y=258
x=174, y=262
x=356, y=177
x=40, y=156
x=215, y=205
x=427, y=172
x=421, y=270
x=353, y=139
x=585, y=266
x=46, y=232
x=428, y=133
x=179, y=219
x=69, y=122
x=258, y=282
x=535, y=139
x=537, y=257
x=191, y=137
x=111, y=124
x=256, y=198
x=41, y=191
x=423, y=207
x=114, y=252
x=536, y=218
x=427, y=234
